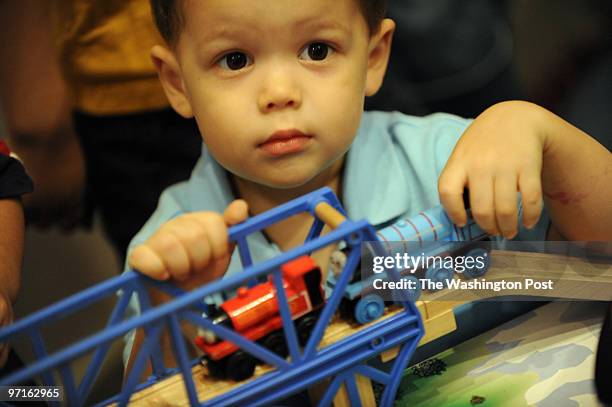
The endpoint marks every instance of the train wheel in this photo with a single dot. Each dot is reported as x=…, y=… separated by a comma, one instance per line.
x=369, y=308
x=305, y=325
x=475, y=270
x=240, y=366
x=439, y=274
x=216, y=368
x=276, y=343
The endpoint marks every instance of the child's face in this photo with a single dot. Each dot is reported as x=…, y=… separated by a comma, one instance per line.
x=276, y=86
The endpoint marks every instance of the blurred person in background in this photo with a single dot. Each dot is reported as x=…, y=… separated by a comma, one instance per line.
x=14, y=182
x=563, y=55
x=85, y=111
x=449, y=56
x=460, y=57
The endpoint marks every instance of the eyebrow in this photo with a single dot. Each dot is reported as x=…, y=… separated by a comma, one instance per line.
x=222, y=31
x=217, y=36
x=317, y=24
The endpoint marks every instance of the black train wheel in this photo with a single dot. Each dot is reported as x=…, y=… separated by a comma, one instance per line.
x=216, y=368
x=239, y=366
x=276, y=343
x=305, y=325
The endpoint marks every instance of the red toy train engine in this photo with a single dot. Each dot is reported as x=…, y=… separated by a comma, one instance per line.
x=254, y=313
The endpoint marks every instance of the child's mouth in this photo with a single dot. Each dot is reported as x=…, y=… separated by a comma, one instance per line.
x=284, y=142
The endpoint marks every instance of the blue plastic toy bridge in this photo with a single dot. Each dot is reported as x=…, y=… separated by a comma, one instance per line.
x=339, y=362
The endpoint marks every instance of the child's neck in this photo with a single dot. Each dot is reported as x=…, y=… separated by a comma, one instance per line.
x=292, y=231
x=262, y=198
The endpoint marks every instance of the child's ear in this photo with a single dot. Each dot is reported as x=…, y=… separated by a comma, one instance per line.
x=169, y=73
x=378, y=57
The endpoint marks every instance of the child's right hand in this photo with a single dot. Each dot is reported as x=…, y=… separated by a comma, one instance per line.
x=191, y=249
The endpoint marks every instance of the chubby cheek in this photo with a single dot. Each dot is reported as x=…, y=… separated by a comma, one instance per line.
x=227, y=130
x=340, y=110
x=225, y=145
x=221, y=127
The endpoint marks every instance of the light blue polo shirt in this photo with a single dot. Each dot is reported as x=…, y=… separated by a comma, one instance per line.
x=391, y=170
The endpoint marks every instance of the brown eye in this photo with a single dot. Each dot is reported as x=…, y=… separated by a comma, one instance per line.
x=316, y=51
x=235, y=61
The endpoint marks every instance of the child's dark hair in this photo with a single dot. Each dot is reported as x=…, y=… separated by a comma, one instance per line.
x=169, y=18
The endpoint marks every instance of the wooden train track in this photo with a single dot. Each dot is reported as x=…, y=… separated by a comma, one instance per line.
x=171, y=391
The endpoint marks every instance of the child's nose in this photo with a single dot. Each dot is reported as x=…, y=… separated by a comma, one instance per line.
x=278, y=94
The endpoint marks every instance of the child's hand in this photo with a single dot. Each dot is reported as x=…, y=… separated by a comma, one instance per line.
x=499, y=154
x=191, y=249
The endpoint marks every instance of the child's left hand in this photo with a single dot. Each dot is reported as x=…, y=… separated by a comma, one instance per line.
x=499, y=154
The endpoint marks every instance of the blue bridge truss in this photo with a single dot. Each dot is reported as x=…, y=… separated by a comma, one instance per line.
x=339, y=362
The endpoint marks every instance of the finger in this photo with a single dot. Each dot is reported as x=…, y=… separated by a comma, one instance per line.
x=215, y=269
x=530, y=187
x=450, y=188
x=216, y=233
x=219, y=266
x=146, y=260
x=171, y=251
x=236, y=212
x=194, y=239
x=481, y=199
x=505, y=204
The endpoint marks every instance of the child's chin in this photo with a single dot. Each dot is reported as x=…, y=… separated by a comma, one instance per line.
x=289, y=177
x=289, y=181
x=288, y=184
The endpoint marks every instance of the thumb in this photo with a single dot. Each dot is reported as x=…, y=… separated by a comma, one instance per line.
x=236, y=212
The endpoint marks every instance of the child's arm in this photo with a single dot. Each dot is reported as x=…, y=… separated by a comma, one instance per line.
x=11, y=250
x=521, y=146
x=190, y=250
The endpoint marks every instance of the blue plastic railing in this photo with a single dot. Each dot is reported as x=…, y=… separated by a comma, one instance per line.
x=343, y=359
